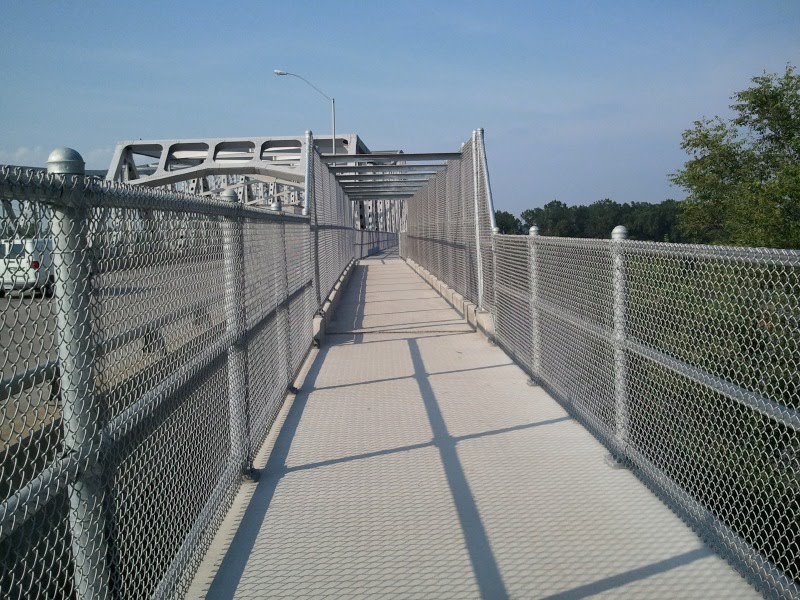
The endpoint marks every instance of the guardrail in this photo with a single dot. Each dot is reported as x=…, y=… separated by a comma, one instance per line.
x=683, y=360
x=134, y=400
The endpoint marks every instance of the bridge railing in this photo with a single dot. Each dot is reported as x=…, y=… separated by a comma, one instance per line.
x=134, y=398
x=369, y=242
x=447, y=225
x=683, y=360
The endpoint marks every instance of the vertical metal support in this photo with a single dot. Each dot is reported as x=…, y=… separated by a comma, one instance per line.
x=81, y=412
x=286, y=311
x=311, y=205
x=333, y=121
x=618, y=237
x=235, y=326
x=486, y=183
x=495, y=233
x=478, y=256
x=536, y=341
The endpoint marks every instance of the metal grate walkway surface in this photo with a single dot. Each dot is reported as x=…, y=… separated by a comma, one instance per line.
x=417, y=462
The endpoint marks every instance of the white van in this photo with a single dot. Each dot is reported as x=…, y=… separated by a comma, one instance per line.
x=27, y=264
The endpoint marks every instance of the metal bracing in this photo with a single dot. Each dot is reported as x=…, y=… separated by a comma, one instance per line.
x=406, y=168
x=384, y=157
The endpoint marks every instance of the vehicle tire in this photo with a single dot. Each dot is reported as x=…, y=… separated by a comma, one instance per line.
x=48, y=287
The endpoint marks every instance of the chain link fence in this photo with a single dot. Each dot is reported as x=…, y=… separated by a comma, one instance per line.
x=149, y=338
x=332, y=225
x=370, y=242
x=447, y=226
x=683, y=360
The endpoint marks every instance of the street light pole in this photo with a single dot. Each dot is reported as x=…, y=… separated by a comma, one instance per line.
x=333, y=103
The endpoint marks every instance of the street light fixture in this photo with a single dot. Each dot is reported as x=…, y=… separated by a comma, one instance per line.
x=333, y=102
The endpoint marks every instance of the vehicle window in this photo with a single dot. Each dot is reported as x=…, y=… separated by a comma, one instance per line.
x=15, y=251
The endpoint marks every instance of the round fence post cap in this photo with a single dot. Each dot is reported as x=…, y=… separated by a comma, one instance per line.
x=65, y=161
x=620, y=232
x=229, y=195
x=534, y=230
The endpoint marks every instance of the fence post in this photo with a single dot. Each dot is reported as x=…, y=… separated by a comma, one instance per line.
x=620, y=301
x=311, y=205
x=235, y=325
x=495, y=233
x=81, y=412
x=536, y=342
x=287, y=322
x=478, y=256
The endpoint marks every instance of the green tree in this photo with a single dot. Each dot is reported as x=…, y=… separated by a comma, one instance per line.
x=554, y=218
x=507, y=223
x=743, y=175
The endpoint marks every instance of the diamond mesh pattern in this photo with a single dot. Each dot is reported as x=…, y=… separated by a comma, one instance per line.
x=148, y=339
x=683, y=360
x=370, y=242
x=332, y=225
x=439, y=230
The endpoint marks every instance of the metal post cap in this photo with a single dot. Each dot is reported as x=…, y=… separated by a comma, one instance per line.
x=495, y=230
x=534, y=230
x=620, y=232
x=229, y=195
x=65, y=161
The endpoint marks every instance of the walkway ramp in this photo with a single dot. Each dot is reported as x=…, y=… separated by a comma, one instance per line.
x=416, y=462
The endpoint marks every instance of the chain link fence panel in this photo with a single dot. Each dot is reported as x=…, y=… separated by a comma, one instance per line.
x=332, y=225
x=683, y=360
x=370, y=242
x=445, y=223
x=148, y=341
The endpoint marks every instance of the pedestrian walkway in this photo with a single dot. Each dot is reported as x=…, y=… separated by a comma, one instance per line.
x=417, y=462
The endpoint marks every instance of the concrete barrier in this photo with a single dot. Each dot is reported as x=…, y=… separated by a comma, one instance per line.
x=323, y=317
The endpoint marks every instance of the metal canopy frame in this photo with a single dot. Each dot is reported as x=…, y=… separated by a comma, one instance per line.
x=271, y=168
x=386, y=175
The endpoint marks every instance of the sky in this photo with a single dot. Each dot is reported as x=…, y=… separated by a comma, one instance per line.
x=579, y=100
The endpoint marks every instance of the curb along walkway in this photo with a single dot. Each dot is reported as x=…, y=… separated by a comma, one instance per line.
x=417, y=462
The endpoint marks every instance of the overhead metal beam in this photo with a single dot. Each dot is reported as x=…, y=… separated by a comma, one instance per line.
x=374, y=195
x=384, y=185
x=339, y=159
x=432, y=168
x=383, y=177
x=380, y=180
x=378, y=188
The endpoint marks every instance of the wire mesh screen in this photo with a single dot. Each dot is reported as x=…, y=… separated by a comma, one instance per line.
x=683, y=360
x=370, y=242
x=332, y=224
x=440, y=231
x=148, y=340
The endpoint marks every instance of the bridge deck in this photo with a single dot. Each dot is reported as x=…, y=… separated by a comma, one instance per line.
x=417, y=462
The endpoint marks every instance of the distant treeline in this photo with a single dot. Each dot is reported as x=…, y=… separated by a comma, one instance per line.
x=645, y=221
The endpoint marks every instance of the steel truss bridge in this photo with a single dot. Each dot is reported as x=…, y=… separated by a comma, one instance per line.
x=244, y=367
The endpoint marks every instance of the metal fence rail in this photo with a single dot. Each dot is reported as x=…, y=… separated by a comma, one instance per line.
x=134, y=398
x=683, y=360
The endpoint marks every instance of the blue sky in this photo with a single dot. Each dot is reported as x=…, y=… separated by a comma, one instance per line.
x=579, y=100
